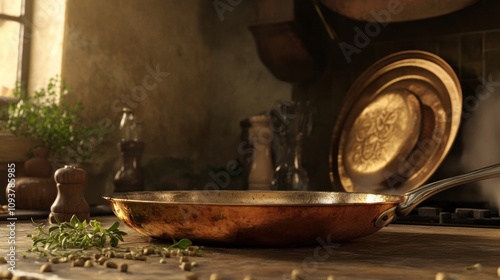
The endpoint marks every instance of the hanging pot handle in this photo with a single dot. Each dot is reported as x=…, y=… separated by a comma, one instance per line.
x=416, y=196
x=328, y=28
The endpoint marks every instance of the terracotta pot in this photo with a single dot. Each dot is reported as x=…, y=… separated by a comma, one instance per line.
x=39, y=165
x=14, y=148
x=37, y=190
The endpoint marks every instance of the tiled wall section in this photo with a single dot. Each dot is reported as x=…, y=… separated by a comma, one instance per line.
x=471, y=55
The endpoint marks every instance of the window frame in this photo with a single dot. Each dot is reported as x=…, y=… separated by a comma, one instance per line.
x=25, y=19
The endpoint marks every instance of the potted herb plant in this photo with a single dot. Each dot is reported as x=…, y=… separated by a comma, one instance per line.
x=57, y=126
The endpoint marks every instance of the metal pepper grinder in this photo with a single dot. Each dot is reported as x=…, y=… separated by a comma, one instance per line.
x=70, y=199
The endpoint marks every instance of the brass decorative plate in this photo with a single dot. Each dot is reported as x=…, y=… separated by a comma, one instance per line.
x=398, y=122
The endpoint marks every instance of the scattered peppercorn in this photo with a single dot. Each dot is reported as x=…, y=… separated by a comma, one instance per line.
x=24, y=277
x=191, y=276
x=214, y=276
x=446, y=276
x=110, y=264
x=128, y=256
x=102, y=260
x=123, y=267
x=148, y=251
x=140, y=258
x=88, y=264
x=46, y=268
x=297, y=274
x=475, y=267
x=5, y=274
x=78, y=262
x=185, y=266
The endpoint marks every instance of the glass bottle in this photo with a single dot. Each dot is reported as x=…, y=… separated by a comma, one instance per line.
x=292, y=121
x=130, y=177
x=290, y=175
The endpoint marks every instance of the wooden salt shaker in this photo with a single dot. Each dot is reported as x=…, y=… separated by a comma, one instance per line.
x=70, y=200
x=261, y=171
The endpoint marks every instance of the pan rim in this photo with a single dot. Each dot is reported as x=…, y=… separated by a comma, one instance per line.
x=279, y=198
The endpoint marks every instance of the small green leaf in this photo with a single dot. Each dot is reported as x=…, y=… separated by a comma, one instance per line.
x=102, y=240
x=184, y=243
x=57, y=219
x=113, y=241
x=51, y=229
x=114, y=226
x=74, y=220
x=119, y=237
x=181, y=244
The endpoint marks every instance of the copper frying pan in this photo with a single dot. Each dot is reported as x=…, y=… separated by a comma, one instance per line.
x=271, y=218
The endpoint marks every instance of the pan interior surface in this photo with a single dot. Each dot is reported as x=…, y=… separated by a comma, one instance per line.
x=253, y=198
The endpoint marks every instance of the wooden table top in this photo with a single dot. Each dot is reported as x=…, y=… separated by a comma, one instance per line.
x=395, y=252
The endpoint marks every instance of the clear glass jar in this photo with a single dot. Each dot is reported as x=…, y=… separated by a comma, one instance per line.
x=292, y=122
x=289, y=174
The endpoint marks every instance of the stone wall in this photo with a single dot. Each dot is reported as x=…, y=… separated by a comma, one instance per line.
x=189, y=73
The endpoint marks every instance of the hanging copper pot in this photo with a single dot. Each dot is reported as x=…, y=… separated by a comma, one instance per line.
x=280, y=44
x=283, y=52
x=395, y=11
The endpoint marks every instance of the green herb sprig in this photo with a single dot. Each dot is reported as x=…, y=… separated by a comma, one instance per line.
x=74, y=234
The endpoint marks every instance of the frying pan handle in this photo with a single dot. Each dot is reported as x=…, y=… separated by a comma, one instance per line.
x=416, y=196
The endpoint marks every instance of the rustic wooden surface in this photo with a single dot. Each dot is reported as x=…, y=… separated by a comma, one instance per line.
x=396, y=252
